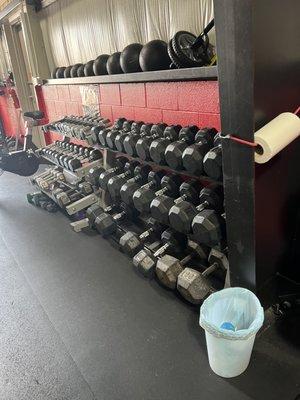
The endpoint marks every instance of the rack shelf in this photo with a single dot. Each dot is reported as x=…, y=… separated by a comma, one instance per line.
x=184, y=74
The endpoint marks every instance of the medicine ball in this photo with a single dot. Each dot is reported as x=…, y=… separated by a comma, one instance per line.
x=53, y=73
x=129, y=59
x=60, y=72
x=99, y=66
x=74, y=70
x=67, y=73
x=88, y=68
x=80, y=71
x=154, y=56
x=113, y=64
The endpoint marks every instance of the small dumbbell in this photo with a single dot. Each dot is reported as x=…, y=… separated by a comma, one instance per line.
x=158, y=146
x=193, y=285
x=169, y=267
x=103, y=132
x=119, y=141
x=173, y=153
x=145, y=260
x=212, y=162
x=111, y=136
x=131, y=243
x=182, y=213
x=141, y=173
x=131, y=140
x=116, y=182
x=143, y=196
x=109, y=173
x=192, y=157
x=161, y=204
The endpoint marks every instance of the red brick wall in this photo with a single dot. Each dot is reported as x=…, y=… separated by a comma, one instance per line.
x=9, y=115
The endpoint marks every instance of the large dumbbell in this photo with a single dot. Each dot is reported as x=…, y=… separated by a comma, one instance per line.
x=116, y=182
x=158, y=146
x=212, y=162
x=161, y=205
x=107, y=224
x=119, y=141
x=131, y=243
x=129, y=140
x=118, y=124
x=126, y=128
x=174, y=151
x=143, y=196
x=109, y=173
x=145, y=260
x=182, y=213
x=195, y=286
x=141, y=173
x=193, y=155
x=144, y=141
x=169, y=267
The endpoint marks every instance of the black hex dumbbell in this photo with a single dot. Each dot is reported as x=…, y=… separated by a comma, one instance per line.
x=143, y=196
x=92, y=177
x=127, y=190
x=126, y=129
x=144, y=141
x=131, y=243
x=169, y=267
x=89, y=154
x=182, y=213
x=158, y=146
x=169, y=187
x=194, y=285
x=119, y=141
x=212, y=162
x=173, y=153
x=109, y=173
x=129, y=141
x=192, y=157
x=95, y=210
x=161, y=205
x=107, y=224
x=116, y=182
x=118, y=124
x=145, y=260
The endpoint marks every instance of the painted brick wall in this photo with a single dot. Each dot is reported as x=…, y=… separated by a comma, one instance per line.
x=9, y=115
x=170, y=102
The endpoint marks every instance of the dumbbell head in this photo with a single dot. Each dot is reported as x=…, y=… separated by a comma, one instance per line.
x=102, y=136
x=208, y=228
x=85, y=188
x=144, y=261
x=119, y=122
x=93, y=212
x=74, y=164
x=212, y=162
x=192, y=286
x=158, y=146
x=174, y=151
x=160, y=207
x=136, y=126
x=110, y=138
x=93, y=175
x=143, y=196
x=105, y=224
x=126, y=127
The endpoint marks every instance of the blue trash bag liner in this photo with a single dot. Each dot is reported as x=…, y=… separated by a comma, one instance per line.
x=237, y=307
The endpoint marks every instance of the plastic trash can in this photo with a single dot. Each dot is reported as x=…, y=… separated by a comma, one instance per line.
x=231, y=318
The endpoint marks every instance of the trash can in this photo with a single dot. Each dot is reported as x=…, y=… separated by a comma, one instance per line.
x=231, y=318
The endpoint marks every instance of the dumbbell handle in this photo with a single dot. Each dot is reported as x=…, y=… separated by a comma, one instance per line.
x=209, y=270
x=202, y=206
x=143, y=236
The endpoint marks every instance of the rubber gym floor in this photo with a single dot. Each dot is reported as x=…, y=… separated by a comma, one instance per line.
x=77, y=323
